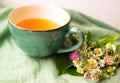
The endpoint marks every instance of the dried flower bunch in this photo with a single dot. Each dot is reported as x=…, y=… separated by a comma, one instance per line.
x=96, y=59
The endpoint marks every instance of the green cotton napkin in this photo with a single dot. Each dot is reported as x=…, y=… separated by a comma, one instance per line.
x=3, y=20
x=17, y=67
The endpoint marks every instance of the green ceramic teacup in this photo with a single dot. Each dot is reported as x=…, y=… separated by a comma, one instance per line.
x=42, y=43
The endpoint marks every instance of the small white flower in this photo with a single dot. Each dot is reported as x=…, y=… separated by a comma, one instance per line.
x=111, y=46
x=98, y=51
x=80, y=70
x=102, y=63
x=76, y=63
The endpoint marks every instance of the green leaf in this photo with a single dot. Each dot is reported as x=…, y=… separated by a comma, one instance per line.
x=118, y=48
x=108, y=39
x=65, y=65
x=89, y=36
x=84, y=60
x=105, y=75
x=72, y=71
x=62, y=61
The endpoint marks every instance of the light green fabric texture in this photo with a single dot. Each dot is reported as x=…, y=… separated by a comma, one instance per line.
x=17, y=67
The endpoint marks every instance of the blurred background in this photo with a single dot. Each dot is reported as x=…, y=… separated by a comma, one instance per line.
x=107, y=11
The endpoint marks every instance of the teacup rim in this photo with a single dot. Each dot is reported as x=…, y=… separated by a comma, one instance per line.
x=39, y=30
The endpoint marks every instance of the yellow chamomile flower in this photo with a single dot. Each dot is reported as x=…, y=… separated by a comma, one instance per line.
x=111, y=47
x=76, y=63
x=80, y=70
x=98, y=51
x=92, y=63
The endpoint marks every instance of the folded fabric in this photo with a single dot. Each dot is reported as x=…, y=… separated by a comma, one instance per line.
x=3, y=20
x=17, y=67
